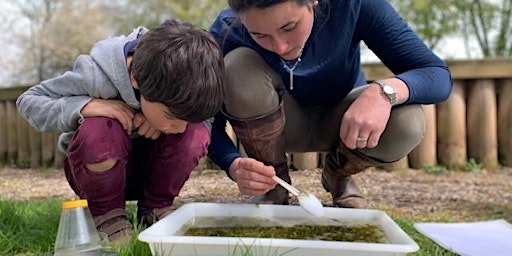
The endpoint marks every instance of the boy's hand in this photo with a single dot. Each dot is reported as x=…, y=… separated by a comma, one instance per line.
x=252, y=176
x=144, y=128
x=115, y=109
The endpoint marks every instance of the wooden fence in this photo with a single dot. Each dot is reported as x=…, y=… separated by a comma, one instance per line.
x=474, y=123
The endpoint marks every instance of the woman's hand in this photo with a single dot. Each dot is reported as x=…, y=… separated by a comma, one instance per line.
x=366, y=118
x=115, y=109
x=252, y=176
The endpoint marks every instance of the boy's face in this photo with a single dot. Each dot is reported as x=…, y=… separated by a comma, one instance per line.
x=159, y=118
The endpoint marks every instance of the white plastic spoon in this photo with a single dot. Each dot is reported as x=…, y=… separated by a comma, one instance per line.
x=307, y=201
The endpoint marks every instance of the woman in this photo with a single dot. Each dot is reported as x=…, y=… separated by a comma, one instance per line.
x=295, y=84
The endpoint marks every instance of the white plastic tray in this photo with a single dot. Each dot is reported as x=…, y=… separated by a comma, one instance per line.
x=164, y=237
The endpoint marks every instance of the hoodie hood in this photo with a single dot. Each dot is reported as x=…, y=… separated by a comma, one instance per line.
x=107, y=54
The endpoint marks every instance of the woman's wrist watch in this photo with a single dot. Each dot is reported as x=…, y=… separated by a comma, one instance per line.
x=388, y=90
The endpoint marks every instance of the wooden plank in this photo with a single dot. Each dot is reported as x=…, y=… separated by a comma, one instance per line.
x=480, y=69
x=460, y=69
x=12, y=93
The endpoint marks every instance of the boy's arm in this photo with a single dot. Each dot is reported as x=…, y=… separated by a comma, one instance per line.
x=55, y=104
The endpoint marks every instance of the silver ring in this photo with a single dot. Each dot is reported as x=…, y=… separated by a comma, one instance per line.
x=362, y=139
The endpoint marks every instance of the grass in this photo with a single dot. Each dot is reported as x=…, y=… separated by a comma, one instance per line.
x=30, y=227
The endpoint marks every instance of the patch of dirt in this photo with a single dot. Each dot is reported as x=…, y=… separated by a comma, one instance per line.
x=409, y=191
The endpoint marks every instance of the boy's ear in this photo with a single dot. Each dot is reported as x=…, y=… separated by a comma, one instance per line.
x=133, y=81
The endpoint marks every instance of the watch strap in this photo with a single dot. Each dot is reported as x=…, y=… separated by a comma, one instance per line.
x=385, y=86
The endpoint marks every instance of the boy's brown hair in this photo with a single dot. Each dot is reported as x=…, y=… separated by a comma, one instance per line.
x=181, y=66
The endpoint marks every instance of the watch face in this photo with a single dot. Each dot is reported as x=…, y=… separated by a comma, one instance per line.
x=388, y=89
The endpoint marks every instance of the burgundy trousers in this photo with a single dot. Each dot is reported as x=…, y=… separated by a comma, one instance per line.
x=150, y=171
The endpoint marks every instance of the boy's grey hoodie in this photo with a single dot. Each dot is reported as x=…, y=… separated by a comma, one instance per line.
x=55, y=104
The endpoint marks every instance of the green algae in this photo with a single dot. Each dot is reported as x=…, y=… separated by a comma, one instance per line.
x=247, y=227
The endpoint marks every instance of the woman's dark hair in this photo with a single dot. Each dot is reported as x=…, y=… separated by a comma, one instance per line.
x=181, y=66
x=240, y=6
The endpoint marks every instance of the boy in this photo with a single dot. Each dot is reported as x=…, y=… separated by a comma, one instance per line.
x=133, y=117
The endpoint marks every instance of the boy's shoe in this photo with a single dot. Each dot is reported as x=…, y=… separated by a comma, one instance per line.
x=148, y=216
x=115, y=225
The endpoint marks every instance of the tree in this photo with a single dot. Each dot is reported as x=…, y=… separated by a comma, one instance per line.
x=432, y=20
x=488, y=22
x=45, y=36
x=135, y=13
x=49, y=34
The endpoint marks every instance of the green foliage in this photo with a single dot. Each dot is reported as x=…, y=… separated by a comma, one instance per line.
x=486, y=21
x=50, y=34
x=151, y=13
x=435, y=169
x=433, y=20
x=490, y=23
x=473, y=166
x=427, y=247
x=23, y=163
x=28, y=227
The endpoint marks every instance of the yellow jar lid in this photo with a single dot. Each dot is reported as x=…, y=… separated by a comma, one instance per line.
x=74, y=204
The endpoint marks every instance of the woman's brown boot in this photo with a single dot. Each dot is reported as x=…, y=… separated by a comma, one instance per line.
x=339, y=165
x=263, y=140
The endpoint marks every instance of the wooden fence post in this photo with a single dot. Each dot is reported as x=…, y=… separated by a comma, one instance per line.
x=305, y=161
x=3, y=134
x=23, y=157
x=48, y=148
x=451, y=129
x=35, y=142
x=58, y=160
x=401, y=164
x=505, y=123
x=12, y=136
x=425, y=153
x=482, y=119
